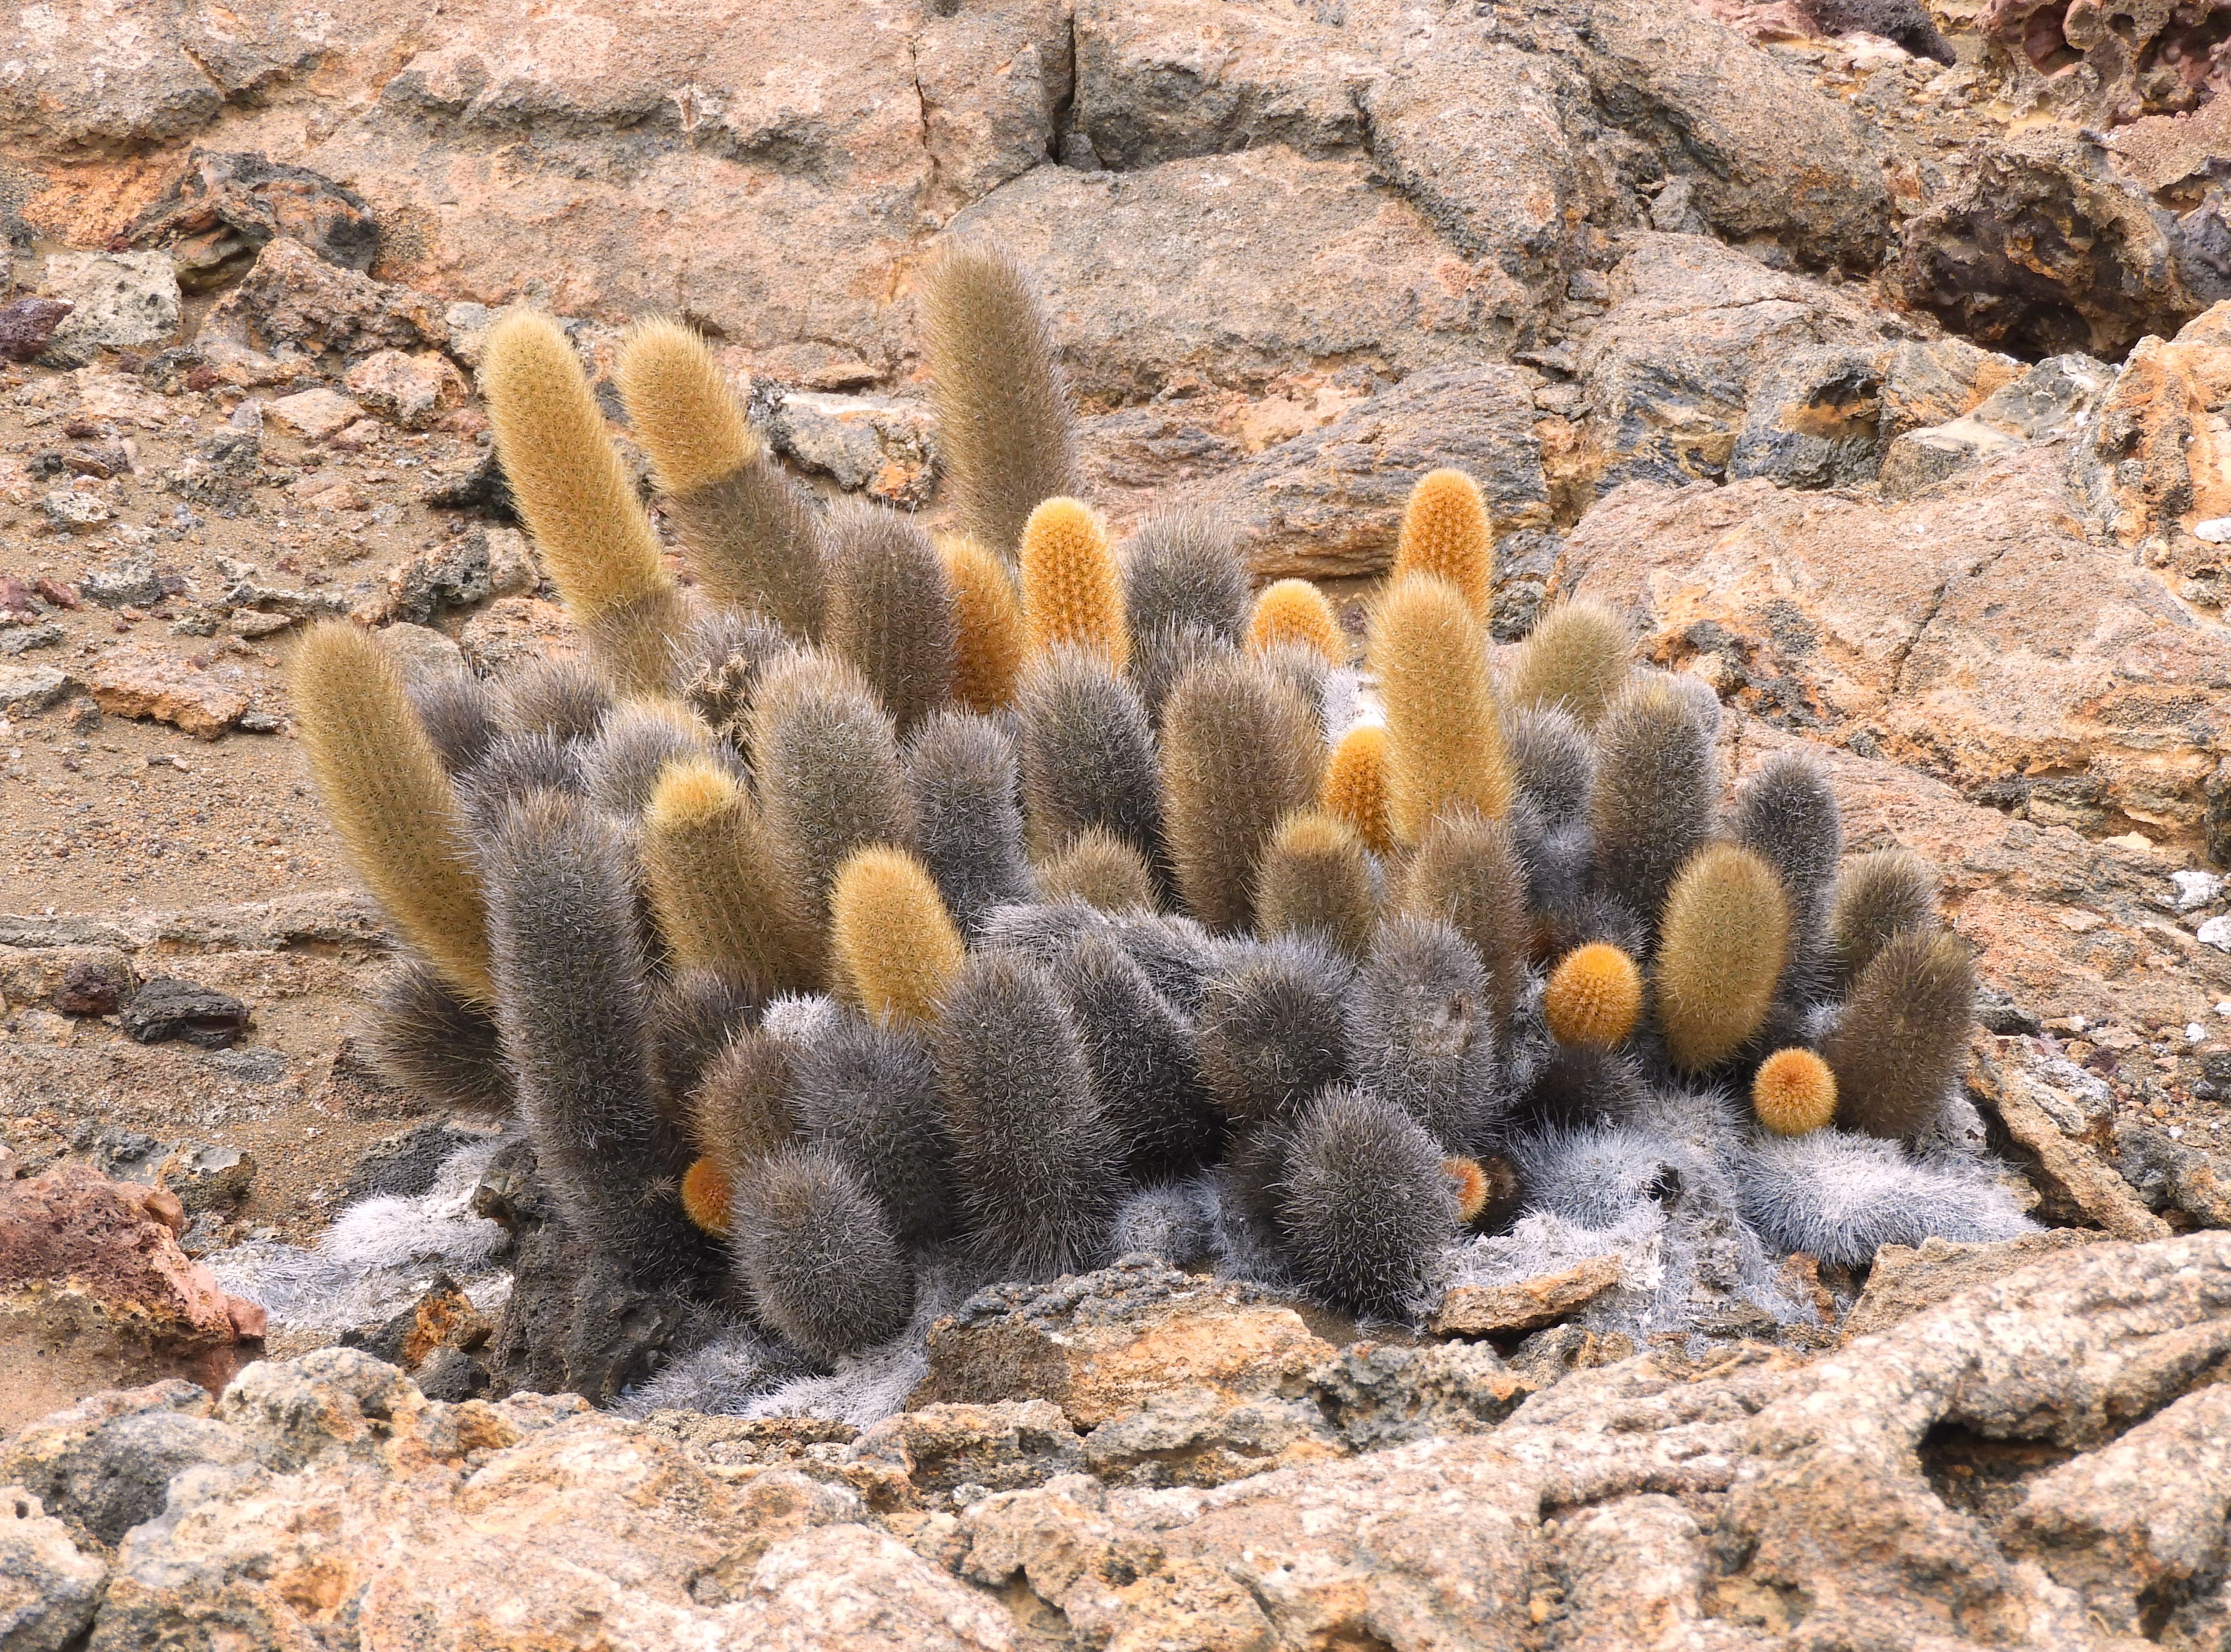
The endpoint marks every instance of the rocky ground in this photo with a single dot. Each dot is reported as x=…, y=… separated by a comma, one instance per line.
x=1891, y=395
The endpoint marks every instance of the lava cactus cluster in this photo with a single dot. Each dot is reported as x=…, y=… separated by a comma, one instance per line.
x=1012, y=899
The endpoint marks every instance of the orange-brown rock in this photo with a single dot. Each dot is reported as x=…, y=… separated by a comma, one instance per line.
x=1103, y=1357
x=143, y=680
x=1505, y=1310
x=1977, y=633
x=2160, y=452
x=2062, y=926
x=92, y=1284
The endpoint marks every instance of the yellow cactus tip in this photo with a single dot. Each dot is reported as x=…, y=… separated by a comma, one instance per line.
x=1794, y=1093
x=679, y=402
x=705, y=1195
x=897, y=948
x=1594, y=996
x=1472, y=1185
x=1294, y=610
x=689, y=793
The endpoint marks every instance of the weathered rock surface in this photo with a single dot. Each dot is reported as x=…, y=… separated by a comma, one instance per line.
x=2056, y=1433
x=1979, y=633
x=1228, y=270
x=92, y=1284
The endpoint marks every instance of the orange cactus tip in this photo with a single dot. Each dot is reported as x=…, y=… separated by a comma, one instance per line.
x=1353, y=786
x=705, y=1194
x=1794, y=1093
x=1472, y=1185
x=1446, y=532
x=1594, y=996
x=1294, y=610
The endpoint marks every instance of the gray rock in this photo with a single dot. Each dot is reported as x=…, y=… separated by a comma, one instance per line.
x=69, y=508
x=2040, y=249
x=30, y=688
x=256, y=1063
x=1472, y=131
x=975, y=1449
x=404, y=1166
x=103, y=1466
x=452, y=573
x=422, y=651
x=1693, y=326
x=1905, y=1280
x=2171, y=1175
x=1768, y=157
x=2138, y=1527
x=122, y=300
x=165, y=1007
x=992, y=80
x=1814, y=421
x=49, y=1591
x=133, y=580
x=1172, y=77
x=208, y=1177
x=873, y=443
x=1975, y=1464
x=225, y=206
x=23, y=639
x=1839, y=1468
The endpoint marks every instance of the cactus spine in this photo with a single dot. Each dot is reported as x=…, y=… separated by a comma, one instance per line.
x=817, y=1254
x=1295, y=612
x=428, y=1040
x=961, y=779
x=1657, y=788
x=1087, y=756
x=827, y=765
x=712, y=883
x=1072, y=594
x=987, y=623
x=1723, y=945
x=1575, y=658
x=1354, y=786
x=751, y=532
x=1787, y=814
x=1443, y=735
x=575, y=498
x=1182, y=572
x=1005, y=433
x=1099, y=870
x=895, y=946
x=571, y=985
x=1035, y=1165
x=1446, y=534
x=1880, y=896
x=1317, y=878
x=678, y=403
x=1239, y=750
x=890, y=611
x=391, y=799
x=1466, y=873
x=1794, y=1093
x=1899, y=1044
x=1364, y=1204
x=706, y=1193
x=1594, y=996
